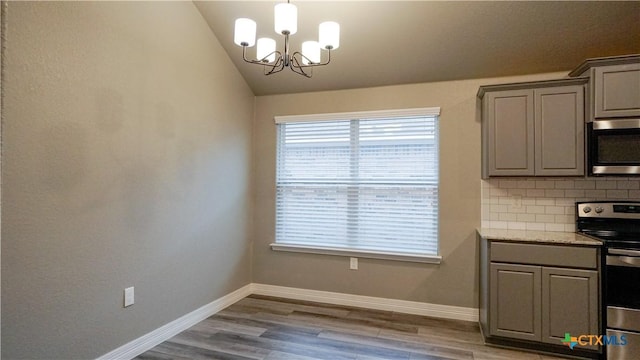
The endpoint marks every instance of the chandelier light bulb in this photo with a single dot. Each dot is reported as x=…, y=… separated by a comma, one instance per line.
x=310, y=51
x=266, y=49
x=286, y=19
x=329, y=35
x=245, y=32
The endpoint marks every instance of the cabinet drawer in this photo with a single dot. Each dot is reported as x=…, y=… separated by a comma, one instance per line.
x=549, y=255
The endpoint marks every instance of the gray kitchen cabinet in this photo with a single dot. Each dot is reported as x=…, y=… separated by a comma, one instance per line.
x=509, y=137
x=559, y=131
x=569, y=304
x=532, y=294
x=533, y=129
x=617, y=91
x=615, y=86
x=515, y=309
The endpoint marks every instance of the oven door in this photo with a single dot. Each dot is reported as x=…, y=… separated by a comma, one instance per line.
x=622, y=299
x=614, y=147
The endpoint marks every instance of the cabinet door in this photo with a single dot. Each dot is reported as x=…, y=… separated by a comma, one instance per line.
x=617, y=91
x=569, y=304
x=559, y=131
x=509, y=116
x=515, y=294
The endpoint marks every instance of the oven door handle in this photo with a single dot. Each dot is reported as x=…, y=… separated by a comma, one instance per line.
x=626, y=261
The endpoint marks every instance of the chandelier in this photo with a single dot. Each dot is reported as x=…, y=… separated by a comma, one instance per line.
x=286, y=23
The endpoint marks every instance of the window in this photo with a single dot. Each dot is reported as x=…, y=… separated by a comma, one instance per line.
x=359, y=184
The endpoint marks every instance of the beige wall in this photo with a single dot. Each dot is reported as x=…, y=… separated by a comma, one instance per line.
x=126, y=163
x=453, y=282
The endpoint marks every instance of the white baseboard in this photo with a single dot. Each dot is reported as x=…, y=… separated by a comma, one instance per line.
x=369, y=302
x=167, y=331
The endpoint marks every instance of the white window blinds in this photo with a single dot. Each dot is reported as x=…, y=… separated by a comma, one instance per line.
x=359, y=184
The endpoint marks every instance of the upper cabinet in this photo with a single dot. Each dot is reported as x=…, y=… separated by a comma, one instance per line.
x=533, y=129
x=615, y=90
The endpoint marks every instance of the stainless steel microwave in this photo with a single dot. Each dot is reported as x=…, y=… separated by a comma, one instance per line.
x=614, y=147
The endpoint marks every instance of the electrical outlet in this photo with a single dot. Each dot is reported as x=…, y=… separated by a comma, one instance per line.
x=128, y=296
x=353, y=263
x=516, y=201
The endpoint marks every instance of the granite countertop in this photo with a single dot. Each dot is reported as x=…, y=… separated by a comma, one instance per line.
x=542, y=237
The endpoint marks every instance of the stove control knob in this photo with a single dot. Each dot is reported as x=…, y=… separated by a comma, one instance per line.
x=599, y=209
x=586, y=209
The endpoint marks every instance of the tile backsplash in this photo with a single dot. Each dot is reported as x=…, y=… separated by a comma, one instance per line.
x=547, y=203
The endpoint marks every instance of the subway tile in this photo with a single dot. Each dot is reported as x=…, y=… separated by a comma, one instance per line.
x=504, y=200
x=526, y=217
x=606, y=184
x=508, y=184
x=628, y=185
x=554, y=227
x=634, y=194
x=535, y=226
x=486, y=184
x=618, y=194
x=517, y=192
x=499, y=225
x=494, y=216
x=570, y=227
x=554, y=210
x=555, y=193
x=528, y=201
x=517, y=226
x=585, y=184
x=565, y=184
x=526, y=184
x=499, y=192
x=535, y=209
x=565, y=219
x=595, y=194
x=542, y=184
x=535, y=192
x=565, y=201
x=543, y=218
x=545, y=201
x=515, y=210
x=574, y=193
x=499, y=208
x=507, y=217
x=570, y=210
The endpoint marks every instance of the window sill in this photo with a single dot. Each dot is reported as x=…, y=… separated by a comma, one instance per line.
x=427, y=259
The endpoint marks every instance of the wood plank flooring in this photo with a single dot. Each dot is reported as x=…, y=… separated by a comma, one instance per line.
x=261, y=327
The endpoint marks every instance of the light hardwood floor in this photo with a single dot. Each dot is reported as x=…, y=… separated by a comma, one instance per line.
x=260, y=327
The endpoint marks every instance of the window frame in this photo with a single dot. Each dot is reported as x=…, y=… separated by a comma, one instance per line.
x=364, y=115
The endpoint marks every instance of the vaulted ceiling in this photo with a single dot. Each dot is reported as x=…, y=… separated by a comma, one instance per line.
x=400, y=42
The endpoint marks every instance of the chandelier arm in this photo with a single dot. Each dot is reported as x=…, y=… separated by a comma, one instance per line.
x=276, y=67
x=262, y=61
x=311, y=64
x=299, y=69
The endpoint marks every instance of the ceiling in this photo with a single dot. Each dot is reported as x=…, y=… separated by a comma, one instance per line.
x=401, y=42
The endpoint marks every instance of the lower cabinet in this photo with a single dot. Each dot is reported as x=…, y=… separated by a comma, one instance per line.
x=535, y=294
x=569, y=304
x=543, y=303
x=516, y=298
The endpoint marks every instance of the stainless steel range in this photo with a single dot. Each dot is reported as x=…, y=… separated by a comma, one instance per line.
x=617, y=224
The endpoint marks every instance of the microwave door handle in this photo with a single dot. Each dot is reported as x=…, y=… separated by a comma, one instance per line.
x=616, y=124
